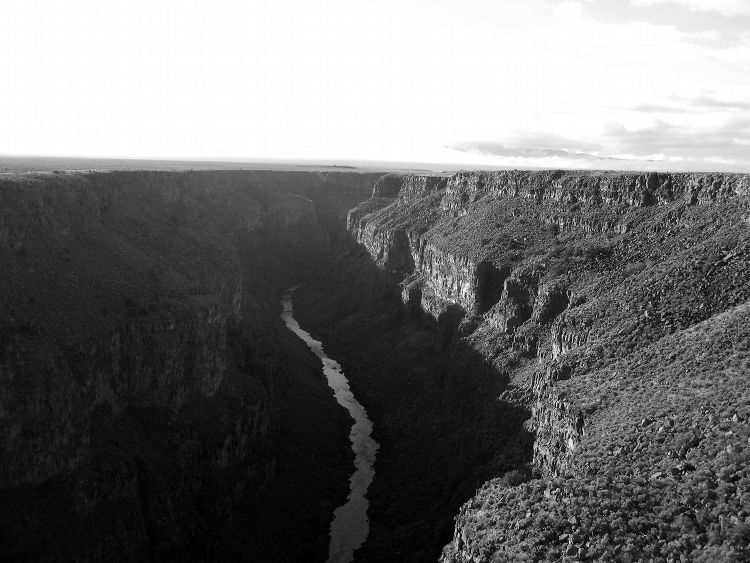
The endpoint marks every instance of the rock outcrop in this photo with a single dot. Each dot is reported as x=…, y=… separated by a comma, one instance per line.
x=550, y=278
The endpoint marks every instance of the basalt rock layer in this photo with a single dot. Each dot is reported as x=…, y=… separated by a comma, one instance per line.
x=146, y=383
x=608, y=311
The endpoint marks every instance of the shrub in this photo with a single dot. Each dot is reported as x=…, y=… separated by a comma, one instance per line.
x=513, y=478
x=634, y=268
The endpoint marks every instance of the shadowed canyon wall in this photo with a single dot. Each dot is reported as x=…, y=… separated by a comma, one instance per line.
x=149, y=392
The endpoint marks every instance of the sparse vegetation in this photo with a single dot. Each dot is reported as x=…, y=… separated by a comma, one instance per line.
x=643, y=409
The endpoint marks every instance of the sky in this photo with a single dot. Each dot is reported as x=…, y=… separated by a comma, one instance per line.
x=596, y=84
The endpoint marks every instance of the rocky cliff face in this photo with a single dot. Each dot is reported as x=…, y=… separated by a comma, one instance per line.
x=165, y=349
x=393, y=226
x=138, y=386
x=552, y=278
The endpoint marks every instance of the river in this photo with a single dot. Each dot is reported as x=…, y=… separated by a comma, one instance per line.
x=350, y=525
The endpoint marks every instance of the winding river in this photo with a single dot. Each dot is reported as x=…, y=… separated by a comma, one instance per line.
x=350, y=526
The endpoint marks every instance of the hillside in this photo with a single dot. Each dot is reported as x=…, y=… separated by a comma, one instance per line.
x=573, y=345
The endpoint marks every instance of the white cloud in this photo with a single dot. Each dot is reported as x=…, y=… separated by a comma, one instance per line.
x=658, y=145
x=569, y=10
x=699, y=104
x=725, y=7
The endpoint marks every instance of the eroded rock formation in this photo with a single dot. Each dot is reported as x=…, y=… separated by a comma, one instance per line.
x=558, y=282
x=554, y=362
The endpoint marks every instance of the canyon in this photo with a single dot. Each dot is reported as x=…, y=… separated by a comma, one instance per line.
x=555, y=364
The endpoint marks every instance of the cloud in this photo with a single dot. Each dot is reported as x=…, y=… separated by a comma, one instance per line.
x=490, y=148
x=657, y=108
x=692, y=105
x=662, y=145
x=707, y=102
x=727, y=141
x=727, y=8
x=538, y=145
x=569, y=11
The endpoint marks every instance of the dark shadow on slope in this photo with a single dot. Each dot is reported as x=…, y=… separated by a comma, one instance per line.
x=444, y=416
x=490, y=280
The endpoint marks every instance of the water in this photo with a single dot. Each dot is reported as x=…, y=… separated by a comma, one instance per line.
x=350, y=526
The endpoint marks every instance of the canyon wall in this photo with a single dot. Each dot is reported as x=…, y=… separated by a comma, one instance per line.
x=555, y=364
x=141, y=374
x=576, y=300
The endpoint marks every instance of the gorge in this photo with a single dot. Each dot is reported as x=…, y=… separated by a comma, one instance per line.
x=350, y=526
x=555, y=364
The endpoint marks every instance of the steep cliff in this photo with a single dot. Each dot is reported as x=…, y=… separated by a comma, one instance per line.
x=146, y=384
x=585, y=304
